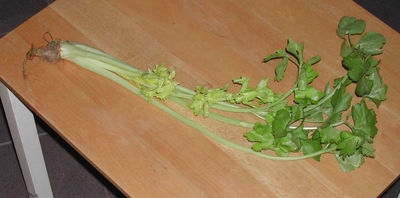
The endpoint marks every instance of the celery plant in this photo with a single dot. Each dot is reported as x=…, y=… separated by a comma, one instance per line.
x=308, y=124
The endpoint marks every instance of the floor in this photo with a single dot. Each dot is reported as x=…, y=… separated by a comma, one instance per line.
x=70, y=175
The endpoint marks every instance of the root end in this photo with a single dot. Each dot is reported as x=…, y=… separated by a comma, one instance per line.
x=49, y=53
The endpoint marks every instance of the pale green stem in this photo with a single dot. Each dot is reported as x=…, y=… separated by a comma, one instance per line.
x=67, y=51
x=215, y=116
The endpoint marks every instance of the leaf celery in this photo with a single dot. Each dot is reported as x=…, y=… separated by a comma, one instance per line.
x=283, y=127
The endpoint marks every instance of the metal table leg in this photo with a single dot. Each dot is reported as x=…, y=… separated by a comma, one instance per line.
x=26, y=142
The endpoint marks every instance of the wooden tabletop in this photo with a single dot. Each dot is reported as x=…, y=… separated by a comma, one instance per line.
x=147, y=153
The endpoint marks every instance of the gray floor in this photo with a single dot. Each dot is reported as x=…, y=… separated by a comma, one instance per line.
x=70, y=175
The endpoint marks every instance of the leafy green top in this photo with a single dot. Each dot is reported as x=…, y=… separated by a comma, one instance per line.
x=310, y=123
x=327, y=108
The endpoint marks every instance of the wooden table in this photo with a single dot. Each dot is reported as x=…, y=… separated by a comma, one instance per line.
x=147, y=153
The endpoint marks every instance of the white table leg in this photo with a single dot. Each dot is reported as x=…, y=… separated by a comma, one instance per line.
x=26, y=142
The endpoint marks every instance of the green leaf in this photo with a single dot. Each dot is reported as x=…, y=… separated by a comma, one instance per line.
x=368, y=150
x=328, y=90
x=259, y=146
x=338, y=82
x=316, y=115
x=287, y=143
x=378, y=90
x=313, y=60
x=341, y=101
x=295, y=49
x=345, y=49
x=371, y=43
x=278, y=54
x=280, y=123
x=296, y=113
x=270, y=117
x=311, y=73
x=364, y=87
x=284, y=145
x=265, y=94
x=297, y=135
x=329, y=135
x=348, y=143
x=364, y=121
x=281, y=152
x=278, y=106
x=262, y=134
x=302, y=80
x=311, y=146
x=246, y=94
x=280, y=69
x=313, y=94
x=350, y=163
x=309, y=96
x=204, y=98
x=355, y=64
x=316, y=135
x=350, y=25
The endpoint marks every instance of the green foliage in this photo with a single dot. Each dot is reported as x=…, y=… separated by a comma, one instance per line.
x=364, y=121
x=247, y=94
x=349, y=26
x=329, y=135
x=378, y=89
x=368, y=150
x=351, y=162
x=348, y=143
x=328, y=107
x=308, y=124
x=280, y=69
x=355, y=63
x=280, y=123
x=308, y=96
x=311, y=146
x=262, y=135
x=371, y=43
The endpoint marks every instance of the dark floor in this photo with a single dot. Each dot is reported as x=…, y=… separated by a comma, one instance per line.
x=70, y=175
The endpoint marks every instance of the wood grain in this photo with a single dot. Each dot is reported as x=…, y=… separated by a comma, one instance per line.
x=147, y=153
